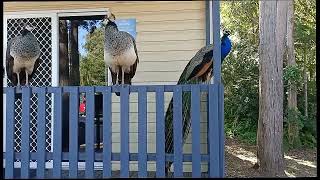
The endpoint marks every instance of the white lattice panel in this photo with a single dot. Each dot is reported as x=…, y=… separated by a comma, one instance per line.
x=42, y=77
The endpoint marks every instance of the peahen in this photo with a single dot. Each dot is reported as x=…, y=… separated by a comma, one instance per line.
x=198, y=70
x=22, y=57
x=120, y=52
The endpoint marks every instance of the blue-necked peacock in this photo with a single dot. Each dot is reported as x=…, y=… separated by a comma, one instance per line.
x=198, y=70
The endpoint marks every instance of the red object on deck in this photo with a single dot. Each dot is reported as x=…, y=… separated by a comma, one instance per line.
x=82, y=107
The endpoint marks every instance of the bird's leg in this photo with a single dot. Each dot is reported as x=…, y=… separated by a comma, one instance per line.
x=122, y=70
x=18, y=78
x=27, y=82
x=117, y=81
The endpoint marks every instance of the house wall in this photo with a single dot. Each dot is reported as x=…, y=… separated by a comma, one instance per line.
x=168, y=36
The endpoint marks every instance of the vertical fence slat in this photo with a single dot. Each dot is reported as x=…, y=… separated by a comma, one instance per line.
x=221, y=128
x=57, y=135
x=142, y=129
x=41, y=134
x=160, y=133
x=213, y=133
x=124, y=154
x=89, y=131
x=25, y=132
x=107, y=117
x=195, y=120
x=177, y=126
x=9, y=156
x=73, y=132
x=216, y=41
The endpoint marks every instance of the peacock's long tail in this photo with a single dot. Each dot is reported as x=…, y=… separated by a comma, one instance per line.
x=186, y=120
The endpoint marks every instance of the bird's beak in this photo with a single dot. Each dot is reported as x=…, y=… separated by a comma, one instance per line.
x=30, y=28
x=105, y=20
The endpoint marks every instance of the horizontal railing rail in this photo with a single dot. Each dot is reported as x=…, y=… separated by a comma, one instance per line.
x=213, y=157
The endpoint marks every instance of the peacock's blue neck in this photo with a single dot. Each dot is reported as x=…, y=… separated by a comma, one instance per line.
x=225, y=47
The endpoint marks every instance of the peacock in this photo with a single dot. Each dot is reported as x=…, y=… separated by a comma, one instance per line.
x=22, y=57
x=198, y=70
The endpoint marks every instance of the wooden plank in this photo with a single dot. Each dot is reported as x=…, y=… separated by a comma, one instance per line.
x=171, y=35
x=160, y=137
x=195, y=124
x=221, y=128
x=117, y=7
x=57, y=135
x=171, y=26
x=151, y=126
x=158, y=16
x=187, y=45
x=124, y=168
x=107, y=119
x=73, y=132
x=142, y=130
x=162, y=67
x=25, y=131
x=213, y=133
x=177, y=135
x=154, y=76
x=151, y=107
x=41, y=132
x=10, y=121
x=89, y=131
x=216, y=41
x=117, y=156
x=165, y=56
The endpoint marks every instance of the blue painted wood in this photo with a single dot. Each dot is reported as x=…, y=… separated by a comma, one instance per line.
x=160, y=137
x=73, y=132
x=216, y=41
x=213, y=133
x=57, y=132
x=25, y=131
x=221, y=128
x=177, y=126
x=89, y=129
x=135, y=88
x=9, y=156
x=107, y=117
x=207, y=4
x=195, y=123
x=215, y=123
x=167, y=88
x=41, y=132
x=115, y=156
x=142, y=135
x=124, y=134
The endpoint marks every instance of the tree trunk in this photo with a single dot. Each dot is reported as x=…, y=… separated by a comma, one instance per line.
x=305, y=83
x=74, y=54
x=64, y=80
x=272, y=23
x=292, y=94
x=63, y=54
x=293, y=130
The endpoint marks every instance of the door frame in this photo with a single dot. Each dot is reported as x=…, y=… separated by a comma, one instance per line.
x=54, y=15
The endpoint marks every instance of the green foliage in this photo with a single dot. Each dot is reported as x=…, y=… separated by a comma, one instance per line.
x=299, y=130
x=92, y=66
x=241, y=72
x=293, y=123
x=293, y=75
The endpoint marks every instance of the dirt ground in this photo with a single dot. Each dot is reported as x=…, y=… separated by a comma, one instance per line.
x=240, y=159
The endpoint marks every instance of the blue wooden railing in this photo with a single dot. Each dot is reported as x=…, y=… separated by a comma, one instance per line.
x=214, y=157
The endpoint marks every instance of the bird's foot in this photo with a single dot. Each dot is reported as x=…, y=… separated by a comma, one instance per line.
x=18, y=86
